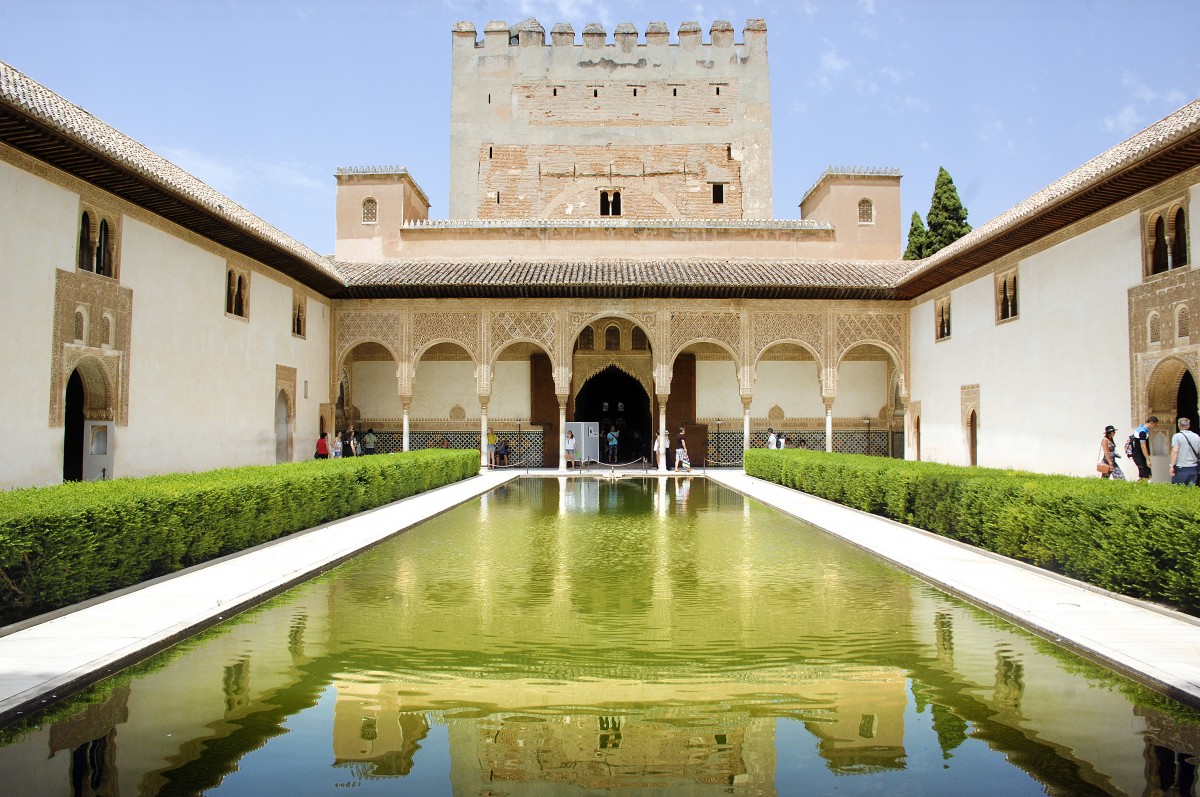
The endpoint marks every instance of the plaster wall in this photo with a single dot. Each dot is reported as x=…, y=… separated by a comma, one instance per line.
x=861, y=389
x=793, y=385
x=376, y=397
x=38, y=235
x=1049, y=380
x=202, y=383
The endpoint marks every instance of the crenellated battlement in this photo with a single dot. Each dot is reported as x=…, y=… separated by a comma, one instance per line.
x=499, y=34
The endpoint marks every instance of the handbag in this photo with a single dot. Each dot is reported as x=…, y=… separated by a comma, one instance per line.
x=1103, y=467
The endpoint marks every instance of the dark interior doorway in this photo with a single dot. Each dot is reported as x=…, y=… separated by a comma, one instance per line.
x=1186, y=401
x=614, y=398
x=73, y=430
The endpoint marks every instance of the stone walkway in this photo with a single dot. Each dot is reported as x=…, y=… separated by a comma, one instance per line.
x=50, y=656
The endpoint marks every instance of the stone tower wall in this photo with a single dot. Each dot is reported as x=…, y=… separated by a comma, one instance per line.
x=542, y=130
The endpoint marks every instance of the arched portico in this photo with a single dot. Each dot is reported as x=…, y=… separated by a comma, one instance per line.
x=88, y=428
x=868, y=386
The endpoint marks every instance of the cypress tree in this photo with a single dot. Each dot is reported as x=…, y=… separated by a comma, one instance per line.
x=947, y=218
x=916, y=239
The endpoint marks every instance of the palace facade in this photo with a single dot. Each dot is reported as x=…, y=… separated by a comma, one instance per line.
x=611, y=256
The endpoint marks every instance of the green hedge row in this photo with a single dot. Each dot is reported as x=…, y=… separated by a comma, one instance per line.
x=1141, y=540
x=64, y=544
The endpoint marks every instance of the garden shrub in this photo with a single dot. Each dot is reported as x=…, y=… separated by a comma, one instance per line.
x=63, y=544
x=1140, y=540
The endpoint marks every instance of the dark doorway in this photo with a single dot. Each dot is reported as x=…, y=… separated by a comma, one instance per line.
x=614, y=398
x=73, y=430
x=1186, y=400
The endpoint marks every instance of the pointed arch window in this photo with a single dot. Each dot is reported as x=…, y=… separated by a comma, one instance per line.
x=1154, y=328
x=103, y=250
x=587, y=339
x=1183, y=323
x=612, y=339
x=1179, y=249
x=85, y=243
x=370, y=211
x=1006, y=296
x=1159, y=262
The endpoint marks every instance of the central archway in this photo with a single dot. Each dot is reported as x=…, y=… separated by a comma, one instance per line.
x=613, y=398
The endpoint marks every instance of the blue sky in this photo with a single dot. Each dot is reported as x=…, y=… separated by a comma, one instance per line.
x=263, y=100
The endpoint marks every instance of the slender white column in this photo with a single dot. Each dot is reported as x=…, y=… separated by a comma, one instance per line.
x=404, y=433
x=745, y=426
x=829, y=425
x=483, y=431
x=662, y=429
x=562, y=435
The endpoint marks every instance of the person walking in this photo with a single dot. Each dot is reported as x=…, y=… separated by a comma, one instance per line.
x=322, y=446
x=1185, y=454
x=772, y=440
x=368, y=441
x=1139, y=448
x=681, y=454
x=337, y=446
x=1107, y=463
x=612, y=444
x=349, y=444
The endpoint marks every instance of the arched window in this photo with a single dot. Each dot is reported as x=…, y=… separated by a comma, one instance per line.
x=1158, y=262
x=1179, y=252
x=638, y=341
x=612, y=339
x=587, y=339
x=239, y=297
x=1154, y=328
x=1006, y=296
x=605, y=209
x=942, y=319
x=230, y=290
x=866, y=212
x=1183, y=323
x=80, y=327
x=370, y=211
x=616, y=203
x=85, y=242
x=103, y=254
x=298, y=318
x=106, y=331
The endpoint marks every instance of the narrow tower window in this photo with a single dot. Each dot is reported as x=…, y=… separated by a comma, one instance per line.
x=616, y=203
x=370, y=211
x=718, y=193
x=1179, y=252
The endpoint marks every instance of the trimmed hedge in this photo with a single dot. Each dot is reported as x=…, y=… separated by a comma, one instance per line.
x=63, y=544
x=1141, y=540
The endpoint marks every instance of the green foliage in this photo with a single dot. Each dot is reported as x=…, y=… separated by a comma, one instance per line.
x=947, y=218
x=1136, y=539
x=916, y=238
x=64, y=544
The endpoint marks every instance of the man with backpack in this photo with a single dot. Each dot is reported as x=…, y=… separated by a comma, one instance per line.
x=1138, y=448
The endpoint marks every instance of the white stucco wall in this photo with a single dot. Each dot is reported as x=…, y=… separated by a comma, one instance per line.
x=1050, y=380
x=38, y=231
x=376, y=397
x=794, y=385
x=202, y=384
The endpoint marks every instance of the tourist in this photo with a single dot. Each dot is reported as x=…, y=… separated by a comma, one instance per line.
x=322, y=447
x=569, y=447
x=612, y=438
x=337, y=446
x=502, y=453
x=350, y=444
x=1138, y=448
x=1185, y=454
x=1107, y=464
x=491, y=449
x=781, y=441
x=660, y=449
x=771, y=438
x=368, y=442
x=681, y=454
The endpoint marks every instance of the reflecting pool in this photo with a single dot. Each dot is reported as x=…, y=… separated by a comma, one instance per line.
x=581, y=636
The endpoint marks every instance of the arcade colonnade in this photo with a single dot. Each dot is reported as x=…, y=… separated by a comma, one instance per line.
x=417, y=369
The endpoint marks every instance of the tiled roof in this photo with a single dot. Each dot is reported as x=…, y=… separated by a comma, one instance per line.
x=624, y=278
x=38, y=103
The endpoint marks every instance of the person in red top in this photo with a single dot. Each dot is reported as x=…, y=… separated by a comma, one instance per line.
x=322, y=447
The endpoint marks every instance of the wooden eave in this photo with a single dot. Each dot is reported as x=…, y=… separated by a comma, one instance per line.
x=40, y=141
x=1133, y=179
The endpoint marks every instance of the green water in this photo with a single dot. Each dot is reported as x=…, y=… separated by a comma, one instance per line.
x=581, y=637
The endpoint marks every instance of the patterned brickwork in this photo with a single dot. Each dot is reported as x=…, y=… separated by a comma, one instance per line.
x=104, y=352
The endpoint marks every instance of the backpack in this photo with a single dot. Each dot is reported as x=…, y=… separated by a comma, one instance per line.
x=1129, y=446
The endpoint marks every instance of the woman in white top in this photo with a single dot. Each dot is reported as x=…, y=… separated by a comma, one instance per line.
x=569, y=445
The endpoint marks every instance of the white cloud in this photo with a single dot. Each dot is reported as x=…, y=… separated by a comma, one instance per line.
x=1146, y=102
x=831, y=62
x=240, y=177
x=808, y=8
x=866, y=6
x=1125, y=121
